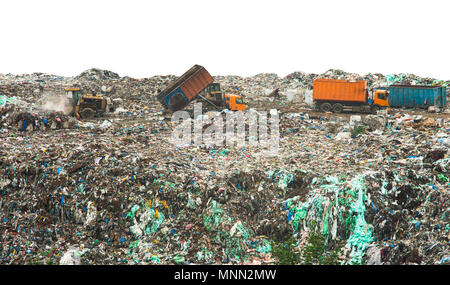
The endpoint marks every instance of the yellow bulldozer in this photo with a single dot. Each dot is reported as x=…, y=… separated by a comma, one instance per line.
x=87, y=106
x=214, y=94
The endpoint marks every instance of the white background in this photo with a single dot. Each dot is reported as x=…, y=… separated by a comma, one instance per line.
x=146, y=38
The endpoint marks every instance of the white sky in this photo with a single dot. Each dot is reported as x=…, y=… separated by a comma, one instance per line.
x=246, y=37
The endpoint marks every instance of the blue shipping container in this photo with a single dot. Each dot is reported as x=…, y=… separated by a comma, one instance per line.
x=417, y=96
x=175, y=100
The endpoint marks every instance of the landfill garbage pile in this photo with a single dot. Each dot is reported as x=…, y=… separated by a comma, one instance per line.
x=116, y=191
x=97, y=74
x=373, y=80
x=139, y=93
x=135, y=92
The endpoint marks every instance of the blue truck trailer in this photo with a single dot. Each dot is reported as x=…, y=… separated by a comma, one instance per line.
x=416, y=96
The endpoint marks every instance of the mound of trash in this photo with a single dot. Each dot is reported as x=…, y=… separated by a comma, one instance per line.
x=118, y=192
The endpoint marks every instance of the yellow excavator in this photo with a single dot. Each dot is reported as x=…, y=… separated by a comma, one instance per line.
x=86, y=106
x=213, y=93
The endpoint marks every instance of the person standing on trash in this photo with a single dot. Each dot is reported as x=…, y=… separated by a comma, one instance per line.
x=276, y=93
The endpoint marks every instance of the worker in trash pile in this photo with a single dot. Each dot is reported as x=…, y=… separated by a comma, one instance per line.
x=277, y=93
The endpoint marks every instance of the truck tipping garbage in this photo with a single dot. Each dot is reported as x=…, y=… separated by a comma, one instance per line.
x=189, y=86
x=185, y=88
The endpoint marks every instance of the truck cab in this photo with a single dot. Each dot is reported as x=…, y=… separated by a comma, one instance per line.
x=234, y=102
x=380, y=98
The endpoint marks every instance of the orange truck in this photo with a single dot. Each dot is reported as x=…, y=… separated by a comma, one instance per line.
x=234, y=102
x=334, y=95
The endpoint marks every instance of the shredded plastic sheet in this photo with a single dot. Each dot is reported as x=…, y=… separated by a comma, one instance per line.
x=72, y=256
x=204, y=254
x=283, y=177
x=318, y=206
x=179, y=259
x=264, y=247
x=234, y=240
x=7, y=100
x=362, y=232
x=149, y=220
x=155, y=260
x=443, y=163
x=212, y=219
x=326, y=207
x=383, y=187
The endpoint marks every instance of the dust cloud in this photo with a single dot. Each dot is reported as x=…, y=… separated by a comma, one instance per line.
x=54, y=102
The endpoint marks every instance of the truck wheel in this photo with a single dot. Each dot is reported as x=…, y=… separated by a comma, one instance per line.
x=337, y=108
x=325, y=107
x=177, y=102
x=375, y=108
x=87, y=113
